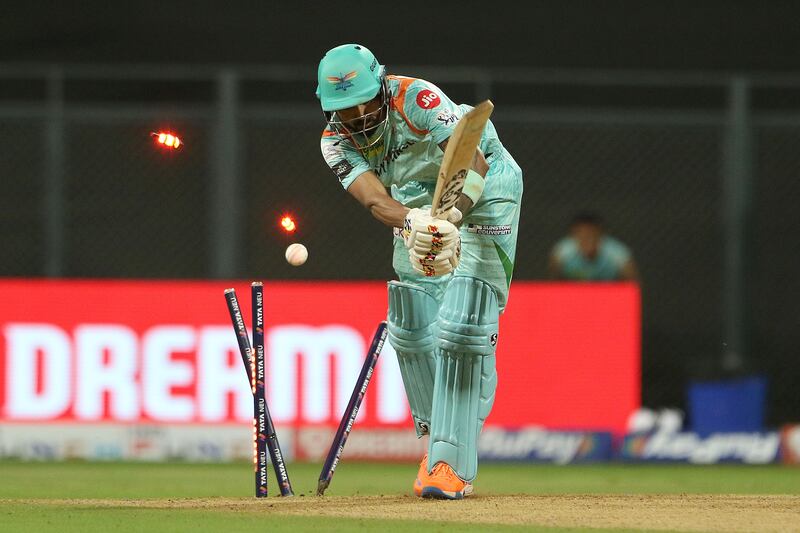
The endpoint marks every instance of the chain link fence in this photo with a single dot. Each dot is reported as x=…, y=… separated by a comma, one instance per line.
x=658, y=188
x=126, y=209
x=774, y=265
x=22, y=198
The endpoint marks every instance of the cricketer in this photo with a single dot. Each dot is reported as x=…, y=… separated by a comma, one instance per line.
x=384, y=141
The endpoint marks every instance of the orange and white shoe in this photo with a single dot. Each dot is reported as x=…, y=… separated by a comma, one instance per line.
x=442, y=483
x=422, y=474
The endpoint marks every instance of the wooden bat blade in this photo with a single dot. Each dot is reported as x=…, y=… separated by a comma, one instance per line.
x=458, y=157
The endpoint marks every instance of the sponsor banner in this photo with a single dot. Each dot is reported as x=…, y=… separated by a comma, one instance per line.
x=540, y=445
x=218, y=443
x=365, y=444
x=494, y=444
x=689, y=447
x=790, y=444
x=159, y=352
x=133, y=442
x=568, y=357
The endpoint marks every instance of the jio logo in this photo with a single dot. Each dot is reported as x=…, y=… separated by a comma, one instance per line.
x=428, y=99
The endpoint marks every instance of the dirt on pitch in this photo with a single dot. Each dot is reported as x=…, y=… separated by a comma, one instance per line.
x=688, y=512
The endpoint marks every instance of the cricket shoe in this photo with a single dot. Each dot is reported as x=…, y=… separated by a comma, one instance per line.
x=442, y=483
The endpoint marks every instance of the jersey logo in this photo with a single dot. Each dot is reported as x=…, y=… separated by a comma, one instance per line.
x=342, y=169
x=428, y=99
x=342, y=81
x=392, y=156
x=490, y=229
x=447, y=117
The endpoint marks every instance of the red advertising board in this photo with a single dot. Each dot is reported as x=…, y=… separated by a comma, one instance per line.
x=164, y=352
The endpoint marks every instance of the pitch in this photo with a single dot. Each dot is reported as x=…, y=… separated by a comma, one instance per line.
x=215, y=497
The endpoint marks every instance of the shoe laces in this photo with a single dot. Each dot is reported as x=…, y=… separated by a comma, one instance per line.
x=445, y=470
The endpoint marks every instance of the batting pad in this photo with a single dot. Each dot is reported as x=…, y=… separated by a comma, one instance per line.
x=411, y=325
x=465, y=374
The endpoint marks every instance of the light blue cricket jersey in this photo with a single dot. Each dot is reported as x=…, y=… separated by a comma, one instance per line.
x=407, y=159
x=607, y=266
x=407, y=162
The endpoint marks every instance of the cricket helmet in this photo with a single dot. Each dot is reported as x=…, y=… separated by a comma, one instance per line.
x=347, y=76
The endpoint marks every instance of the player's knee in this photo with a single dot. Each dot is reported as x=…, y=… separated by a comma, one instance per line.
x=468, y=317
x=411, y=318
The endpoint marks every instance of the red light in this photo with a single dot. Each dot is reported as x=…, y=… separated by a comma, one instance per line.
x=170, y=140
x=287, y=223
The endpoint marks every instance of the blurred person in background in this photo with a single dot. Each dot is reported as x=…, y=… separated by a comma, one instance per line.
x=589, y=254
x=384, y=141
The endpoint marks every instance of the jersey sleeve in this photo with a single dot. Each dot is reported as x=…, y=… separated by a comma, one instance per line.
x=428, y=110
x=618, y=252
x=345, y=161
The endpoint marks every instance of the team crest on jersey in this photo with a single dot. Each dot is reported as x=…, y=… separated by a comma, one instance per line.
x=342, y=81
x=428, y=99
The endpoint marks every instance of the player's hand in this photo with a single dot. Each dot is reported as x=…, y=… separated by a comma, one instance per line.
x=434, y=245
x=455, y=216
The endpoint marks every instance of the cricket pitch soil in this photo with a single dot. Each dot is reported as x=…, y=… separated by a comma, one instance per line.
x=681, y=512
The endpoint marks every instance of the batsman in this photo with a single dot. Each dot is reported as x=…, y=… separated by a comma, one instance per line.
x=385, y=141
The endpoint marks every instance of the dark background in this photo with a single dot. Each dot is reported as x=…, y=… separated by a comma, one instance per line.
x=658, y=179
x=666, y=34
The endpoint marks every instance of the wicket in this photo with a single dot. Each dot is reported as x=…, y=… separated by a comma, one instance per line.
x=350, y=414
x=264, y=435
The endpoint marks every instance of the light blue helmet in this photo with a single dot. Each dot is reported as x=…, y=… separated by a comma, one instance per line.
x=347, y=76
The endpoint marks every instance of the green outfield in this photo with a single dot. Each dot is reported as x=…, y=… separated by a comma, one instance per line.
x=121, y=497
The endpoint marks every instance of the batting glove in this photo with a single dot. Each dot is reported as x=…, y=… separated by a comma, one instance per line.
x=434, y=245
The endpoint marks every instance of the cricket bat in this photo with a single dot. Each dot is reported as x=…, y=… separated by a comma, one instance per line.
x=458, y=158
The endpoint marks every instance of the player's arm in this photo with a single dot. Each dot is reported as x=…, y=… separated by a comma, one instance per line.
x=479, y=165
x=371, y=193
x=434, y=245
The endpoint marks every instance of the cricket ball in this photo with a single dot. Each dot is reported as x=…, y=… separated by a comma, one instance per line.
x=296, y=254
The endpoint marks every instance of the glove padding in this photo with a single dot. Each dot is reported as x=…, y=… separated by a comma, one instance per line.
x=454, y=216
x=434, y=245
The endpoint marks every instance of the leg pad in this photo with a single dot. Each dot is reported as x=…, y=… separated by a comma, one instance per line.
x=412, y=325
x=465, y=373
